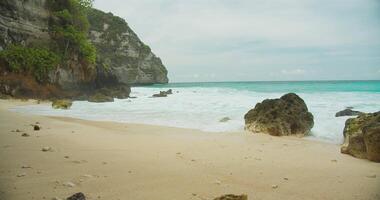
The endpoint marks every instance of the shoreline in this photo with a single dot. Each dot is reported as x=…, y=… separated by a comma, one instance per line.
x=48, y=103
x=110, y=160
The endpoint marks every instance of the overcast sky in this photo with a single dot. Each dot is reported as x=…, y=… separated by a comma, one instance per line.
x=253, y=40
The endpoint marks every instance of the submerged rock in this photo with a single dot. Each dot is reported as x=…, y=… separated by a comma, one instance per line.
x=225, y=119
x=347, y=112
x=362, y=137
x=100, y=98
x=62, y=104
x=77, y=196
x=232, y=197
x=288, y=115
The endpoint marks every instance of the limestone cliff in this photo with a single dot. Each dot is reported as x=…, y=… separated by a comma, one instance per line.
x=122, y=57
x=23, y=22
x=121, y=54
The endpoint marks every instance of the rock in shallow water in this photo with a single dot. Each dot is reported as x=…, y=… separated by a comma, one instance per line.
x=288, y=115
x=362, y=137
x=347, y=112
x=62, y=104
x=100, y=98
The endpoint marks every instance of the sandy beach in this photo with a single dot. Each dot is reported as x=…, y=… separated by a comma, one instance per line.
x=112, y=161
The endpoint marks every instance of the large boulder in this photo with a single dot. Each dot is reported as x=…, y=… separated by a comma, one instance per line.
x=347, y=112
x=288, y=115
x=362, y=137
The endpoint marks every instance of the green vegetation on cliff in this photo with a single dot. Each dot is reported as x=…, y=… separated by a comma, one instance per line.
x=35, y=61
x=69, y=28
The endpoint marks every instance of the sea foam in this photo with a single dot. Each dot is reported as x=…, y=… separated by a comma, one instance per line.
x=199, y=107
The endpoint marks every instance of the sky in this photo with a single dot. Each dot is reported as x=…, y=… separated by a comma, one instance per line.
x=258, y=40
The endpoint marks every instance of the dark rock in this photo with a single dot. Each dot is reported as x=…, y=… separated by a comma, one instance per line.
x=25, y=135
x=161, y=94
x=77, y=196
x=225, y=119
x=347, y=112
x=118, y=91
x=232, y=197
x=100, y=98
x=36, y=127
x=288, y=115
x=362, y=137
x=62, y=104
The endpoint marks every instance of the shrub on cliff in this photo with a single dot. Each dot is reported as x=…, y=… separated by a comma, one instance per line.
x=32, y=61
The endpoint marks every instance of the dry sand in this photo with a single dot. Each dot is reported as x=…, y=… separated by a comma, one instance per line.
x=107, y=160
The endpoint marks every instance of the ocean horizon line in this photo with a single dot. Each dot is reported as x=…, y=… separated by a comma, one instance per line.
x=262, y=81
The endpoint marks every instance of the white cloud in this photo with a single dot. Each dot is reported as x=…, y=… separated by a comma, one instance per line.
x=293, y=71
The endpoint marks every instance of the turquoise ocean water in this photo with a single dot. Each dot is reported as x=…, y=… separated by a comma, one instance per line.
x=202, y=105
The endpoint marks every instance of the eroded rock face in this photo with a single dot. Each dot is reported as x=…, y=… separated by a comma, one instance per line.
x=122, y=56
x=362, y=137
x=288, y=115
x=23, y=22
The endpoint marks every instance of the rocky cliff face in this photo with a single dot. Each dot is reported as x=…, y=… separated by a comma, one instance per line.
x=122, y=57
x=23, y=22
x=27, y=23
x=121, y=54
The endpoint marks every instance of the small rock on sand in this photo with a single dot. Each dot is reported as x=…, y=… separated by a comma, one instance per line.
x=77, y=196
x=46, y=149
x=21, y=175
x=274, y=186
x=26, y=167
x=371, y=176
x=232, y=197
x=36, y=127
x=56, y=198
x=25, y=135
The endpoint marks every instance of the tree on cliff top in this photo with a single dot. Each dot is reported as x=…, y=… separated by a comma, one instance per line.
x=69, y=28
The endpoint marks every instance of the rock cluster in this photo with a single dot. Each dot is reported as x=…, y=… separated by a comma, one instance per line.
x=288, y=115
x=362, y=137
x=163, y=93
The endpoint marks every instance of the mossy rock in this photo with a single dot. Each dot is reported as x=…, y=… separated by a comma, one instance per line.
x=362, y=137
x=62, y=104
x=100, y=98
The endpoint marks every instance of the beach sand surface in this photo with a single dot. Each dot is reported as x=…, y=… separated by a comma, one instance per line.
x=116, y=161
